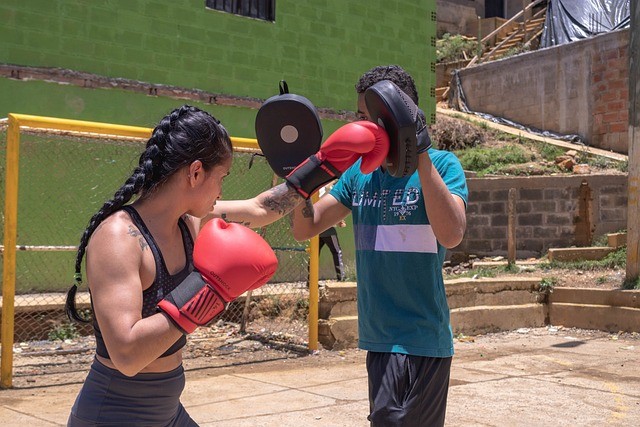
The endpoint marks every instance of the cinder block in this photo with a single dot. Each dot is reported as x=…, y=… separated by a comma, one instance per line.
x=578, y=254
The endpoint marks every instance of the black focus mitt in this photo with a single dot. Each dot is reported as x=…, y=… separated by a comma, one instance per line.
x=392, y=109
x=422, y=133
x=288, y=130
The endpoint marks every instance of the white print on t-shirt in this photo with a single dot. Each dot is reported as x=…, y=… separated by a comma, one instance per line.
x=403, y=202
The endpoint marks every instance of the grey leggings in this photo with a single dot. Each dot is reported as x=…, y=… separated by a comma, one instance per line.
x=110, y=398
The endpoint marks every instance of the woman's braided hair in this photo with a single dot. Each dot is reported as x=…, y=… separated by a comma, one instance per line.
x=183, y=136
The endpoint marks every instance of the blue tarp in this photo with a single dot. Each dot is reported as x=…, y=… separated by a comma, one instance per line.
x=571, y=20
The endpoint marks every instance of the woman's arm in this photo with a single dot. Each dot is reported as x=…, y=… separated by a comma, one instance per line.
x=114, y=268
x=312, y=219
x=446, y=211
x=265, y=208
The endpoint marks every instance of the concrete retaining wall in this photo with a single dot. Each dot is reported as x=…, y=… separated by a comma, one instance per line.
x=492, y=305
x=577, y=88
x=612, y=311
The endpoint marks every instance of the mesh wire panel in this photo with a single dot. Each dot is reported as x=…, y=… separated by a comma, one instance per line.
x=64, y=179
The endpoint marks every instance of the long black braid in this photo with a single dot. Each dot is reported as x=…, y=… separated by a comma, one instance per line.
x=183, y=136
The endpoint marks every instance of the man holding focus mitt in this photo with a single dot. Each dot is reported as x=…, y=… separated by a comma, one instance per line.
x=405, y=214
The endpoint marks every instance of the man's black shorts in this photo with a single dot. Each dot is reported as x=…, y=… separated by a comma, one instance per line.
x=407, y=390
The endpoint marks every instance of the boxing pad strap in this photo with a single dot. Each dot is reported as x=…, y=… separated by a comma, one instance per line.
x=311, y=175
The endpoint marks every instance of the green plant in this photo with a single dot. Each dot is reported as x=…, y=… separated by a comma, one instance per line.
x=350, y=271
x=601, y=240
x=600, y=162
x=615, y=259
x=631, y=284
x=602, y=279
x=549, y=152
x=455, y=47
x=504, y=136
x=517, y=49
x=488, y=161
x=511, y=268
x=547, y=284
x=63, y=331
x=301, y=309
x=271, y=306
x=623, y=166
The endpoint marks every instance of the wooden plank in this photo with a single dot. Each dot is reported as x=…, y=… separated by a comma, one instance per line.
x=518, y=132
x=579, y=254
x=633, y=201
x=511, y=227
x=616, y=240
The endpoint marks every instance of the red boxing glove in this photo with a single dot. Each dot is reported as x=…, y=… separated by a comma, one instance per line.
x=230, y=259
x=341, y=150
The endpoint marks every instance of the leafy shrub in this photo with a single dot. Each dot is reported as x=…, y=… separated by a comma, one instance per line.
x=63, y=332
x=455, y=47
x=452, y=134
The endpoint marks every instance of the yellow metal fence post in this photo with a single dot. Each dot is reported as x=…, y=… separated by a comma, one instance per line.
x=9, y=259
x=314, y=293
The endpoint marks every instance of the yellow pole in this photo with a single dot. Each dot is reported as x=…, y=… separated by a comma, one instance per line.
x=244, y=142
x=9, y=261
x=314, y=294
x=106, y=128
x=82, y=126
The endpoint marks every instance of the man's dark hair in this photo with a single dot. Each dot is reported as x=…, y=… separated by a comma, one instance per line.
x=395, y=74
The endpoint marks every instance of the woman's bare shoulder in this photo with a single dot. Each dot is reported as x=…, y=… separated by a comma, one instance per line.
x=117, y=232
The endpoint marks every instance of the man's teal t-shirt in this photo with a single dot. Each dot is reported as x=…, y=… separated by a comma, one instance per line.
x=402, y=305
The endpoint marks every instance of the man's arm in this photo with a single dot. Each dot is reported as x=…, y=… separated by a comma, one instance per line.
x=262, y=210
x=310, y=219
x=446, y=211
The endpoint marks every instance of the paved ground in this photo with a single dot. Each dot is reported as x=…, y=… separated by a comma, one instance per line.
x=539, y=377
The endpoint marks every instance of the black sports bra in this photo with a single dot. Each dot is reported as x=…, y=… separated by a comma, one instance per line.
x=163, y=284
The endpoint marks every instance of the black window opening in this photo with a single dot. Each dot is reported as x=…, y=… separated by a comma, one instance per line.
x=258, y=9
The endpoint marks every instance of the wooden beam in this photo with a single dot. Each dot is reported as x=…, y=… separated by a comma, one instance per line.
x=633, y=204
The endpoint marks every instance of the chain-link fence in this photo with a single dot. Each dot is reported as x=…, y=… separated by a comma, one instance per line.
x=64, y=179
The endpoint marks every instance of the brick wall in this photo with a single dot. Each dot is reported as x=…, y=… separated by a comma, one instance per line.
x=576, y=88
x=549, y=212
x=610, y=89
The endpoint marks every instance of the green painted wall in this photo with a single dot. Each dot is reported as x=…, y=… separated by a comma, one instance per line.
x=320, y=48
x=116, y=106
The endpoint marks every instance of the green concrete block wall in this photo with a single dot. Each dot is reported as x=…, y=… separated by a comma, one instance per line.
x=320, y=48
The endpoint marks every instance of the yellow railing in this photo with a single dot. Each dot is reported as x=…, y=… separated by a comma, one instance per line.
x=18, y=121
